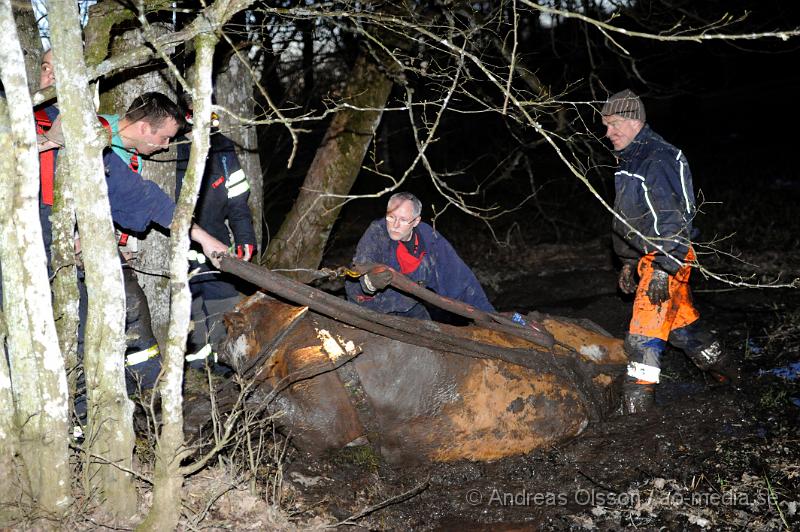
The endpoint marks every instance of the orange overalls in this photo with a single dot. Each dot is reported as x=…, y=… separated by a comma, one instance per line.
x=652, y=326
x=657, y=321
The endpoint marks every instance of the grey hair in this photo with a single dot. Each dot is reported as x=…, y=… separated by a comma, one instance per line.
x=416, y=204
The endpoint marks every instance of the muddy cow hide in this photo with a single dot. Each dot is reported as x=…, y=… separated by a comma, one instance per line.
x=336, y=386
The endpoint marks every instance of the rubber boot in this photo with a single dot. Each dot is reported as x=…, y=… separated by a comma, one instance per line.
x=637, y=398
x=702, y=347
x=717, y=362
x=724, y=369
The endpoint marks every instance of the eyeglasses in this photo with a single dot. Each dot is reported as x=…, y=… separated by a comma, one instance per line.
x=391, y=219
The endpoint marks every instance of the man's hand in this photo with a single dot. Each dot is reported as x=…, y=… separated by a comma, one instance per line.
x=78, y=252
x=213, y=249
x=211, y=246
x=376, y=280
x=53, y=138
x=627, y=280
x=658, y=289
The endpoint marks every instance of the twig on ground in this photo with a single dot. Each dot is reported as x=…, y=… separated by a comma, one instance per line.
x=394, y=500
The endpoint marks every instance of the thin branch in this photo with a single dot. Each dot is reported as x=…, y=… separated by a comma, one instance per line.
x=513, y=60
x=413, y=492
x=706, y=34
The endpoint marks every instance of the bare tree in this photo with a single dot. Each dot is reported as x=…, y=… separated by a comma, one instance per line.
x=66, y=297
x=238, y=97
x=302, y=237
x=30, y=39
x=110, y=424
x=36, y=369
x=476, y=59
x=171, y=449
x=9, y=437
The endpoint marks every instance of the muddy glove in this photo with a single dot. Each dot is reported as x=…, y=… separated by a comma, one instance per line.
x=658, y=289
x=373, y=281
x=627, y=278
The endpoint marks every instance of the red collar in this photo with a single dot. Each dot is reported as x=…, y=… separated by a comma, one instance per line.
x=409, y=260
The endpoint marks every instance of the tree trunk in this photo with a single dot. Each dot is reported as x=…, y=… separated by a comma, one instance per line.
x=65, y=287
x=110, y=436
x=9, y=439
x=152, y=262
x=36, y=369
x=168, y=477
x=31, y=41
x=307, y=29
x=103, y=16
x=234, y=91
x=302, y=237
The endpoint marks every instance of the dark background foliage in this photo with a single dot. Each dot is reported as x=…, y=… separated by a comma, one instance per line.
x=727, y=103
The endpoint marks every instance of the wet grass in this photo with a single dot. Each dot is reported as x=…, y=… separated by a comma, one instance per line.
x=363, y=456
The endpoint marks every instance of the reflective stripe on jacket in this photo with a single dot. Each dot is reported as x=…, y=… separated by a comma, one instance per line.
x=224, y=192
x=655, y=195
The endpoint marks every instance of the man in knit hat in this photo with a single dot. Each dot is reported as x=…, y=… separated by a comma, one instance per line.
x=652, y=231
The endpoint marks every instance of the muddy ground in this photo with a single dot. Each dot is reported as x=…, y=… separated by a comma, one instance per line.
x=709, y=456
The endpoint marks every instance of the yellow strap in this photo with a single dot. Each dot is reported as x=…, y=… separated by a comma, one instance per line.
x=350, y=273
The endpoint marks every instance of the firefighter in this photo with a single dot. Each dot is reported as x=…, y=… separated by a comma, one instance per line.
x=48, y=143
x=652, y=231
x=48, y=140
x=221, y=204
x=403, y=242
x=151, y=121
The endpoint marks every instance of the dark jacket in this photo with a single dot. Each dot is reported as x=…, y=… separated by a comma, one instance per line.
x=441, y=270
x=135, y=201
x=223, y=196
x=135, y=204
x=655, y=195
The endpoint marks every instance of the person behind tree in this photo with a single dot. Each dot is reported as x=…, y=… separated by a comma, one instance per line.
x=142, y=354
x=149, y=124
x=403, y=242
x=221, y=203
x=652, y=237
x=48, y=140
x=45, y=115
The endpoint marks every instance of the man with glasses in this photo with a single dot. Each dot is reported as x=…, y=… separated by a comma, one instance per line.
x=408, y=245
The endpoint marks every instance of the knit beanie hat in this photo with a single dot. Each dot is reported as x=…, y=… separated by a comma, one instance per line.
x=625, y=104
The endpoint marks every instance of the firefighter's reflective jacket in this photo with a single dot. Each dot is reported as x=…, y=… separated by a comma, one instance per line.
x=655, y=195
x=223, y=196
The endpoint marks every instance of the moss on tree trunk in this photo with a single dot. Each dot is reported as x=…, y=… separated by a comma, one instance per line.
x=35, y=374
x=110, y=425
x=301, y=239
